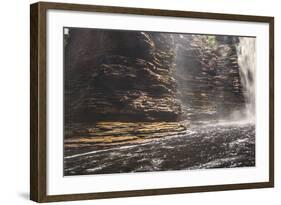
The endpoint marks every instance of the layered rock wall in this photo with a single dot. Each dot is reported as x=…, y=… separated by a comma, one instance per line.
x=148, y=76
x=121, y=76
x=207, y=75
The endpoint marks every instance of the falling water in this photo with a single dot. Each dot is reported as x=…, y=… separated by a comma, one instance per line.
x=247, y=63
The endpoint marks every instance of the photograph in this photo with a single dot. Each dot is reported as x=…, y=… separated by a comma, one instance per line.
x=147, y=101
x=131, y=101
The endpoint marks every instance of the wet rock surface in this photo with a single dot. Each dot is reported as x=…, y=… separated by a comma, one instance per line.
x=214, y=146
x=117, y=133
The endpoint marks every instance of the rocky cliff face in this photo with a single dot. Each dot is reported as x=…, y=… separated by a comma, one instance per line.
x=149, y=76
x=207, y=75
x=120, y=76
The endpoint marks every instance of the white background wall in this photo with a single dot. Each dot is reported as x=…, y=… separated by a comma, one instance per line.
x=14, y=100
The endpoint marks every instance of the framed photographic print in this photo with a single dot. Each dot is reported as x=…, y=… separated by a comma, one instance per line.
x=134, y=102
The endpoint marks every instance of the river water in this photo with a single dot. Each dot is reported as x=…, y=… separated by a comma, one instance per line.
x=222, y=145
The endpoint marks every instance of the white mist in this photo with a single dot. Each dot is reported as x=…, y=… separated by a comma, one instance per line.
x=246, y=52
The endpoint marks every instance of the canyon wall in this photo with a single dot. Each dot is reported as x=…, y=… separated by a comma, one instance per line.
x=148, y=76
x=120, y=76
x=208, y=78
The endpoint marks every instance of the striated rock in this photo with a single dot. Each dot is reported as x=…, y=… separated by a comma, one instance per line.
x=113, y=133
x=208, y=76
x=132, y=76
x=122, y=76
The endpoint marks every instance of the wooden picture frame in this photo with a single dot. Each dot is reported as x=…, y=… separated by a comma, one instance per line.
x=38, y=99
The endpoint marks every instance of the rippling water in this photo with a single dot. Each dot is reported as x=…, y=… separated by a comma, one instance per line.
x=201, y=147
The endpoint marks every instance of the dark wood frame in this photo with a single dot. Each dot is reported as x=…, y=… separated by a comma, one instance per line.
x=38, y=101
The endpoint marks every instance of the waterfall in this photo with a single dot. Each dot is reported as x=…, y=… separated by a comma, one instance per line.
x=247, y=64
